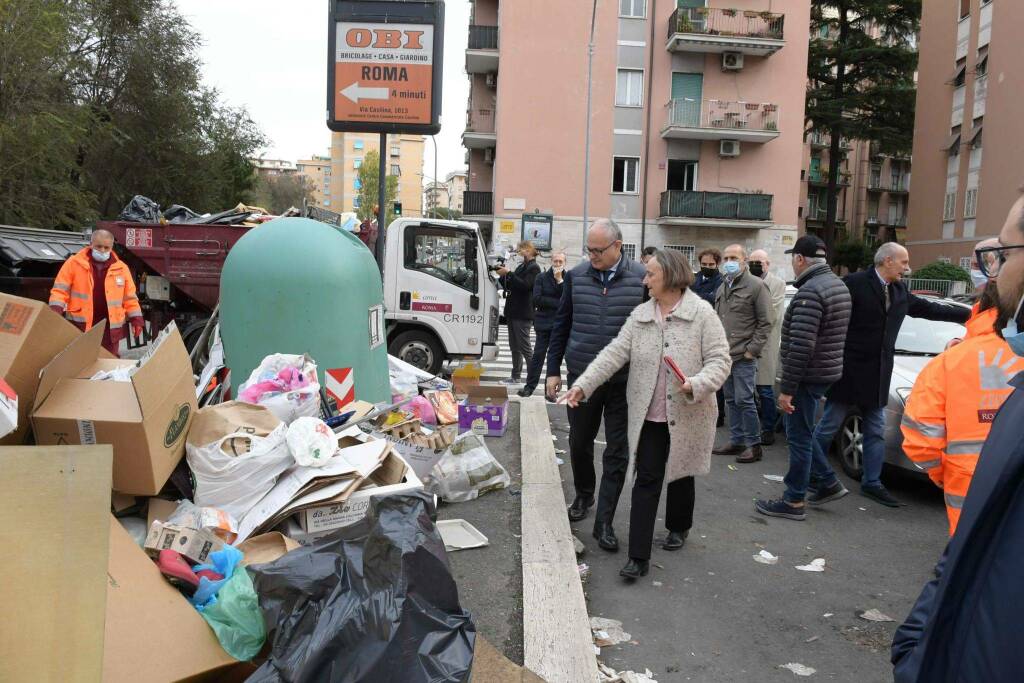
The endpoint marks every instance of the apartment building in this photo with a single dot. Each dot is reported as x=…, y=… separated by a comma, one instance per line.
x=273, y=167
x=317, y=172
x=967, y=136
x=455, y=185
x=435, y=196
x=404, y=158
x=696, y=124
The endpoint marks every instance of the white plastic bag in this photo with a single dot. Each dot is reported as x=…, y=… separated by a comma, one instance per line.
x=466, y=470
x=405, y=378
x=286, y=405
x=311, y=441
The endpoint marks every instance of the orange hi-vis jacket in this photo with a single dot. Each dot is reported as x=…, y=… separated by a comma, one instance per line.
x=72, y=291
x=951, y=408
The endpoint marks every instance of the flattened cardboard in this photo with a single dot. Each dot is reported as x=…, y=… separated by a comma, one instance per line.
x=492, y=666
x=146, y=427
x=54, y=524
x=152, y=632
x=31, y=335
x=160, y=510
x=266, y=548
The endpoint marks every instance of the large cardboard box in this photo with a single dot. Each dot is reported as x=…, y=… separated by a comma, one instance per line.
x=145, y=419
x=484, y=411
x=31, y=335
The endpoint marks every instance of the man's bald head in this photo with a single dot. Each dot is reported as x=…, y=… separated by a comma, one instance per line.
x=102, y=238
x=759, y=255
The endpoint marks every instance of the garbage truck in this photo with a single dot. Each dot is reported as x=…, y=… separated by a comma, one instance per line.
x=440, y=296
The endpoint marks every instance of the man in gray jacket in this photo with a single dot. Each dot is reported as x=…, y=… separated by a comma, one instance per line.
x=813, y=339
x=744, y=305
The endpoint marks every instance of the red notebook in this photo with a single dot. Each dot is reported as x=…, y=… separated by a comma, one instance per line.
x=675, y=370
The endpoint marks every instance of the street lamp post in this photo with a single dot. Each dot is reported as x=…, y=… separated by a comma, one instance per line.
x=586, y=152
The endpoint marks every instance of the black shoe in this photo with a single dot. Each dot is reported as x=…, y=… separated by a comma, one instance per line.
x=881, y=495
x=634, y=569
x=767, y=438
x=526, y=391
x=826, y=495
x=752, y=454
x=605, y=535
x=780, y=508
x=674, y=540
x=579, y=507
x=731, y=449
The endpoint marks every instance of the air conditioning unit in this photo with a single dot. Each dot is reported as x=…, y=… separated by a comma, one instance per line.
x=489, y=155
x=729, y=148
x=492, y=80
x=732, y=61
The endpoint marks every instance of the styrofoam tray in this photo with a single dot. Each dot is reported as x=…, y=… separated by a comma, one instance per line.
x=458, y=534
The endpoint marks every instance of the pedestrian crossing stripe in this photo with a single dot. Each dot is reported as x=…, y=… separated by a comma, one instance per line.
x=501, y=367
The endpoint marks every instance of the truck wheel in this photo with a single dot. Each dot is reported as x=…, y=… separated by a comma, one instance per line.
x=418, y=348
x=191, y=337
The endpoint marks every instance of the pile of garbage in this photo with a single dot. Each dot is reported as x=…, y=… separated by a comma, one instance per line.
x=144, y=210
x=261, y=533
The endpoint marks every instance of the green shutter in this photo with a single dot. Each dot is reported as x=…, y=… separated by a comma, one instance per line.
x=687, y=88
x=691, y=3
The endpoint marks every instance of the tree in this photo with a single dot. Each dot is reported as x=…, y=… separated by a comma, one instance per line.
x=853, y=255
x=278, y=193
x=860, y=71
x=369, y=174
x=940, y=270
x=444, y=213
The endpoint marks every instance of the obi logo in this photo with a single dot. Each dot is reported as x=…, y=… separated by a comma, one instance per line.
x=389, y=39
x=177, y=426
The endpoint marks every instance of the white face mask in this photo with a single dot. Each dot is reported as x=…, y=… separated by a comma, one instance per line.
x=100, y=256
x=978, y=278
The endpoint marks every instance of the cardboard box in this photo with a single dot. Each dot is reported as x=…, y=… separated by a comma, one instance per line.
x=8, y=409
x=152, y=632
x=484, y=411
x=194, y=544
x=394, y=476
x=145, y=419
x=31, y=335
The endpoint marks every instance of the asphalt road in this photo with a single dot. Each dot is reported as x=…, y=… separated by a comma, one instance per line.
x=709, y=612
x=490, y=579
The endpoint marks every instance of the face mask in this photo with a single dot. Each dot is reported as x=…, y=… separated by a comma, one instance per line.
x=756, y=269
x=1012, y=336
x=557, y=269
x=978, y=279
x=708, y=272
x=100, y=256
x=731, y=268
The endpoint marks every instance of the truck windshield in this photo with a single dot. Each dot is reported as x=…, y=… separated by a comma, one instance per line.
x=448, y=254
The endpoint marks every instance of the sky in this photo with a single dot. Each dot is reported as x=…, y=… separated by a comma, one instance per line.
x=270, y=58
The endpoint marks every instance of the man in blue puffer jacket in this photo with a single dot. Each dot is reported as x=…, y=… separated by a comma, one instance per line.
x=597, y=297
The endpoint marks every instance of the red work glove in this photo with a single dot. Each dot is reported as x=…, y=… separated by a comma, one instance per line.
x=138, y=325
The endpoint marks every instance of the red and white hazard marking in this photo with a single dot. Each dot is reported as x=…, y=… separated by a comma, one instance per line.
x=340, y=384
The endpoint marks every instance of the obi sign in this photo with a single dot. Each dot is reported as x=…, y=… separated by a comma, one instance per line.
x=385, y=73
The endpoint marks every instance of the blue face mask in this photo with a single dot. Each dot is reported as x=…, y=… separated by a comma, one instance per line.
x=731, y=268
x=1012, y=336
x=978, y=278
x=100, y=256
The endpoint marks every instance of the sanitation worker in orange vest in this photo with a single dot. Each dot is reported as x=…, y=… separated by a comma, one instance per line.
x=954, y=401
x=95, y=285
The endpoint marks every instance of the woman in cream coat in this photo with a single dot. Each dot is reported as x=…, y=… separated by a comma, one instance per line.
x=671, y=421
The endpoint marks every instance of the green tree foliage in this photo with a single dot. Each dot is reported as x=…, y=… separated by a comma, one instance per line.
x=369, y=174
x=101, y=100
x=853, y=255
x=939, y=270
x=278, y=193
x=860, y=71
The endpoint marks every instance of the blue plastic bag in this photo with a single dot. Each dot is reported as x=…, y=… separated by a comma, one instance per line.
x=223, y=562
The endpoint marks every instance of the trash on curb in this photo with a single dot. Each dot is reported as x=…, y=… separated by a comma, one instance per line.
x=874, y=615
x=458, y=534
x=485, y=410
x=765, y=557
x=816, y=565
x=610, y=675
x=774, y=477
x=286, y=384
x=798, y=669
x=466, y=471
x=584, y=571
x=608, y=631
x=311, y=442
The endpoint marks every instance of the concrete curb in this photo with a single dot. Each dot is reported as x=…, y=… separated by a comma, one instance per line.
x=557, y=642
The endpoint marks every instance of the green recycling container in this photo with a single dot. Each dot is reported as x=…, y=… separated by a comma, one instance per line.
x=295, y=285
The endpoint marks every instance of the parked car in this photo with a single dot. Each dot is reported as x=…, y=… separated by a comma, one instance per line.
x=918, y=342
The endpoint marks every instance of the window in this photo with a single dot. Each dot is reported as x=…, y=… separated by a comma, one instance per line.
x=327, y=202
x=629, y=249
x=624, y=174
x=358, y=184
x=687, y=250
x=327, y=171
x=395, y=151
x=443, y=253
x=966, y=262
x=358, y=144
x=682, y=175
x=873, y=209
x=633, y=8
x=949, y=208
x=357, y=202
x=944, y=259
x=965, y=8
x=629, y=88
x=396, y=169
x=971, y=203
x=357, y=163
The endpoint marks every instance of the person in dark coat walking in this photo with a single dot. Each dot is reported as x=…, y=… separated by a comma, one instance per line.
x=519, y=307
x=547, y=294
x=967, y=622
x=881, y=300
x=597, y=298
x=709, y=279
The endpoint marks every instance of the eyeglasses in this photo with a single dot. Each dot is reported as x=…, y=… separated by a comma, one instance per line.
x=593, y=251
x=991, y=259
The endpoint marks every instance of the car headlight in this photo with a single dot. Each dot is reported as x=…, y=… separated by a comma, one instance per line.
x=903, y=393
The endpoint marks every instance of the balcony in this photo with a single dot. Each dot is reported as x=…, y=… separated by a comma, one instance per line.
x=820, y=177
x=482, y=50
x=477, y=203
x=479, y=132
x=821, y=140
x=897, y=221
x=716, y=209
x=899, y=186
x=818, y=214
x=721, y=120
x=711, y=29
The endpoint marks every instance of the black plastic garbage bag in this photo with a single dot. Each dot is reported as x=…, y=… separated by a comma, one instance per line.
x=374, y=601
x=141, y=210
x=180, y=214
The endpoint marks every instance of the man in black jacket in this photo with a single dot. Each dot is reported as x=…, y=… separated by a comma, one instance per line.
x=881, y=300
x=811, y=357
x=597, y=298
x=547, y=294
x=967, y=622
x=709, y=279
x=519, y=307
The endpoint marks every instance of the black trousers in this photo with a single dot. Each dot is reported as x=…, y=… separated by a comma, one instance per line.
x=540, y=357
x=519, y=344
x=651, y=457
x=584, y=422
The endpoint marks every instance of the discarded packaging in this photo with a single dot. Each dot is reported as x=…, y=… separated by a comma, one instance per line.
x=874, y=615
x=195, y=544
x=484, y=411
x=774, y=477
x=190, y=515
x=798, y=669
x=610, y=629
x=389, y=570
x=266, y=548
x=817, y=565
x=8, y=409
x=458, y=534
x=311, y=442
x=235, y=617
x=466, y=377
x=286, y=384
x=765, y=557
x=405, y=378
x=445, y=407
x=466, y=470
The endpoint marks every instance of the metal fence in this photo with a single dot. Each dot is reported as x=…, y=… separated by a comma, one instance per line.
x=483, y=37
x=944, y=288
x=726, y=22
x=723, y=205
x=752, y=116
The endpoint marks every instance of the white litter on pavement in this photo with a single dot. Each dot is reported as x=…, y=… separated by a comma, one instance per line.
x=610, y=630
x=603, y=443
x=774, y=477
x=874, y=615
x=798, y=669
x=816, y=565
x=610, y=675
x=765, y=557
x=554, y=438
x=559, y=461
x=827, y=615
x=560, y=451
x=657, y=584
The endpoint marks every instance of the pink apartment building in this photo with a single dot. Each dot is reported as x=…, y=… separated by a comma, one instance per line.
x=696, y=126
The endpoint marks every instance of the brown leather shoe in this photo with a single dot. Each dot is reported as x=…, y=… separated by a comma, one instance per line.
x=731, y=449
x=752, y=454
